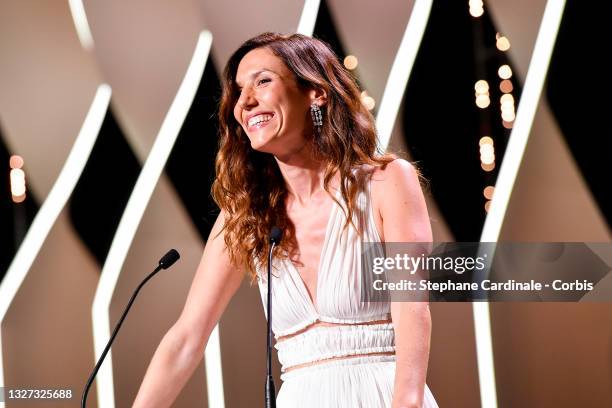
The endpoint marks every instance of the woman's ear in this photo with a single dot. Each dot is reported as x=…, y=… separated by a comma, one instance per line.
x=318, y=96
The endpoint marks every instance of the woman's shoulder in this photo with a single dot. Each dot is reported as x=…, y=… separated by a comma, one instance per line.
x=387, y=180
x=398, y=199
x=397, y=180
x=387, y=177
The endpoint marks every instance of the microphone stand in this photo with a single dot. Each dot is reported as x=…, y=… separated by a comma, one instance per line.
x=270, y=394
x=167, y=260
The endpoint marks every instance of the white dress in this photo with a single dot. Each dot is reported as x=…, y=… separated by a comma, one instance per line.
x=353, y=382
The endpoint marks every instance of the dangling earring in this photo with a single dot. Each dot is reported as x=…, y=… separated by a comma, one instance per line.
x=317, y=116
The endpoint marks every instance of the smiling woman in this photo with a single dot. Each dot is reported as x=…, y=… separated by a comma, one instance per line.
x=271, y=106
x=298, y=151
x=271, y=84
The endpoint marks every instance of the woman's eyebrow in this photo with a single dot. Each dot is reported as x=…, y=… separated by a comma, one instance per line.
x=256, y=73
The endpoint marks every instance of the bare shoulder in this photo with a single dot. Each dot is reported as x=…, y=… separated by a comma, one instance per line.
x=398, y=202
x=396, y=169
x=394, y=180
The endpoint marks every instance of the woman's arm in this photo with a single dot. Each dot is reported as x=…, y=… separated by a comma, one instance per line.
x=181, y=349
x=405, y=219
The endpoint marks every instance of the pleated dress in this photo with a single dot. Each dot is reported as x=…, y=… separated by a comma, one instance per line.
x=353, y=381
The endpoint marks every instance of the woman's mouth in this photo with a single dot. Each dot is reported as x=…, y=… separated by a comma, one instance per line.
x=259, y=121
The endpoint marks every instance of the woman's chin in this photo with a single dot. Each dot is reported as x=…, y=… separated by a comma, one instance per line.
x=261, y=146
x=262, y=143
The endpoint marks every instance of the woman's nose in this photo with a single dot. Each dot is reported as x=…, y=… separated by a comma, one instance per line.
x=246, y=99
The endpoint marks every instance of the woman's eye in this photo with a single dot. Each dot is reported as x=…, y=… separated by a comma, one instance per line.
x=263, y=81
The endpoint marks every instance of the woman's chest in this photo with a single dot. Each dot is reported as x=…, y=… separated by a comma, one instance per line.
x=311, y=232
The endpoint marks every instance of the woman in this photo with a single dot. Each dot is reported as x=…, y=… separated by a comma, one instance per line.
x=292, y=128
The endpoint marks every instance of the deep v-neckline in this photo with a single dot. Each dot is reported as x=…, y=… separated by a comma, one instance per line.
x=315, y=302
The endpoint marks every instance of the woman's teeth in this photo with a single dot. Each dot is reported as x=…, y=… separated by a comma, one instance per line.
x=255, y=120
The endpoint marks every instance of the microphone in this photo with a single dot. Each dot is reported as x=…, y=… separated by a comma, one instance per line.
x=169, y=259
x=275, y=235
x=270, y=395
x=164, y=263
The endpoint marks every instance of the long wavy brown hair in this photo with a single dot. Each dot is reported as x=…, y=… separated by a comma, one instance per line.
x=249, y=186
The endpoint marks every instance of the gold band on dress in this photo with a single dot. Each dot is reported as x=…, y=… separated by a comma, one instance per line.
x=325, y=360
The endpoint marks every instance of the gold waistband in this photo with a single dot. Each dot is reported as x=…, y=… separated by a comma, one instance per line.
x=325, y=360
x=319, y=323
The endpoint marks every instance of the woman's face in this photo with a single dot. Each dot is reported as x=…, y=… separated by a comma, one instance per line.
x=273, y=111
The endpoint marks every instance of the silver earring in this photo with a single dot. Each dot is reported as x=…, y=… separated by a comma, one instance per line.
x=317, y=116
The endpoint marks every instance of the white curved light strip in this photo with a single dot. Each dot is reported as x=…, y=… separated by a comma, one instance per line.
x=214, y=377
x=134, y=210
x=77, y=10
x=53, y=204
x=400, y=71
x=484, y=354
x=308, y=17
x=534, y=82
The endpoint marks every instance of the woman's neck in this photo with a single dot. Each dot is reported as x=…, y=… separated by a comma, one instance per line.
x=303, y=175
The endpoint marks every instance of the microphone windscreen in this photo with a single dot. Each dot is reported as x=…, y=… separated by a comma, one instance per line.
x=275, y=235
x=169, y=259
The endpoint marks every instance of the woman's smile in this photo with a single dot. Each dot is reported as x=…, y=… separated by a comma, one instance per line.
x=258, y=121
